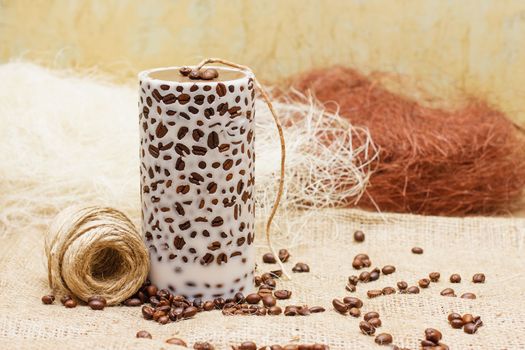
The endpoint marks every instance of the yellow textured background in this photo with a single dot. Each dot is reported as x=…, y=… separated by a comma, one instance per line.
x=474, y=46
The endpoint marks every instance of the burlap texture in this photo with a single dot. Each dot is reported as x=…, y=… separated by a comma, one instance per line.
x=324, y=241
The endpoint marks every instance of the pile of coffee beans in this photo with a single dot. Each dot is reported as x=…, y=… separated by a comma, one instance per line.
x=201, y=74
x=348, y=306
x=432, y=340
x=468, y=322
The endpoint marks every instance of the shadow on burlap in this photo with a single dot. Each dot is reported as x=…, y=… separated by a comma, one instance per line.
x=465, y=246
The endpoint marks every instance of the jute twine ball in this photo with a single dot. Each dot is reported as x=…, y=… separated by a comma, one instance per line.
x=95, y=251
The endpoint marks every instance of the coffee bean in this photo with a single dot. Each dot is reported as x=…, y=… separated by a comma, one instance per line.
x=353, y=280
x=339, y=306
x=268, y=301
x=132, y=302
x=274, y=310
x=457, y=323
x=203, y=346
x=413, y=290
x=376, y=322
x=470, y=328
x=350, y=287
x=478, y=278
x=402, y=285
x=65, y=298
x=70, y=303
x=48, y=299
x=282, y=294
x=301, y=267
x=169, y=99
x=209, y=74
x=370, y=315
x=383, y=339
x=317, y=309
x=96, y=304
x=374, y=293
x=194, y=74
x=208, y=305
x=247, y=345
x=417, y=250
x=389, y=291
x=353, y=302
x=185, y=71
x=434, y=276
x=303, y=311
x=364, y=276
x=374, y=275
x=290, y=310
x=448, y=292
x=177, y=341
x=455, y=278
x=253, y=298
x=144, y=334
x=388, y=269
x=359, y=236
x=190, y=312
x=354, y=312
x=433, y=335
x=425, y=344
x=453, y=316
x=163, y=320
x=220, y=89
x=147, y=312
x=367, y=328
x=468, y=296
x=284, y=255
x=467, y=318
x=183, y=99
x=424, y=282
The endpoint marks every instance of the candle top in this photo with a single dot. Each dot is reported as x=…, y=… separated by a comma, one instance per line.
x=173, y=75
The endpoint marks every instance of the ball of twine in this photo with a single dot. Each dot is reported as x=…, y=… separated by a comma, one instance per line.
x=95, y=251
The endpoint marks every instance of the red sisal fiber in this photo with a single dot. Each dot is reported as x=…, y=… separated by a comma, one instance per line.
x=465, y=161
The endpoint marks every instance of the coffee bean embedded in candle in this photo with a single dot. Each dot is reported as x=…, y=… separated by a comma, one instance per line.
x=434, y=276
x=185, y=70
x=176, y=341
x=209, y=74
x=70, y=303
x=183, y=99
x=301, y=267
x=468, y=296
x=413, y=290
x=284, y=255
x=383, y=339
x=448, y=292
x=221, y=89
x=366, y=328
x=455, y=278
x=433, y=335
x=370, y=315
x=144, y=334
x=268, y=258
x=424, y=282
x=478, y=278
x=48, y=299
x=340, y=306
x=282, y=294
x=417, y=250
x=359, y=236
x=388, y=269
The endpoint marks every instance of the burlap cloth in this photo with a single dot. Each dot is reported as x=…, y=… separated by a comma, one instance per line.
x=465, y=246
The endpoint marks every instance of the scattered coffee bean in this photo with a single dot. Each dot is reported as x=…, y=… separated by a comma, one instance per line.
x=434, y=276
x=268, y=258
x=177, y=341
x=65, y=298
x=275, y=310
x=203, y=346
x=354, y=312
x=247, y=345
x=268, y=301
x=359, y=236
x=417, y=250
x=470, y=328
x=290, y=310
x=467, y=318
x=96, y=304
x=468, y=296
x=478, y=278
x=70, y=303
x=284, y=255
x=448, y=292
x=360, y=261
x=376, y=322
x=389, y=290
x=340, y=306
x=433, y=335
x=163, y=320
x=151, y=290
x=370, y=315
x=301, y=267
x=350, y=287
x=457, y=323
x=402, y=285
x=282, y=294
x=48, y=299
x=413, y=290
x=354, y=280
x=455, y=278
x=208, y=305
x=388, y=269
x=253, y=298
x=383, y=339
x=424, y=282
x=453, y=316
x=317, y=309
x=367, y=328
x=353, y=302
x=147, y=312
x=374, y=275
x=374, y=293
x=364, y=276
x=132, y=302
x=185, y=71
x=144, y=334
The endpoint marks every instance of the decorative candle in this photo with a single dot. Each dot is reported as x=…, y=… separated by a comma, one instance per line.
x=197, y=177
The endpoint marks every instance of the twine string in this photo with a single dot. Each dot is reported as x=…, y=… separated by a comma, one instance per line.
x=268, y=101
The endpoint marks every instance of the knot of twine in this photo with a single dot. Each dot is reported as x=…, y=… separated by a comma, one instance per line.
x=95, y=251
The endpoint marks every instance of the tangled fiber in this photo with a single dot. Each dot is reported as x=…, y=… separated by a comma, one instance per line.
x=73, y=139
x=467, y=160
x=95, y=251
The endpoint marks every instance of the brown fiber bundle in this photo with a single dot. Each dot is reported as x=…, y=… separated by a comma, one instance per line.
x=469, y=160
